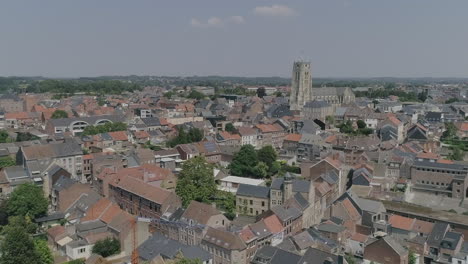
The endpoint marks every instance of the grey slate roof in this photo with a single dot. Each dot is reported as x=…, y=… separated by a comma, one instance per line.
x=253, y=191
x=317, y=256
x=316, y=104
x=298, y=185
x=151, y=121
x=330, y=228
x=284, y=214
x=90, y=120
x=158, y=245
x=275, y=256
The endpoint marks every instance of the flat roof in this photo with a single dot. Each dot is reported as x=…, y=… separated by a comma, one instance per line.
x=242, y=180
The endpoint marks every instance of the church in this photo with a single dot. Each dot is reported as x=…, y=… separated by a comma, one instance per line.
x=302, y=91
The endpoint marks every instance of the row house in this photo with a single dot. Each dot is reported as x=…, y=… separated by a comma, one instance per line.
x=37, y=159
x=142, y=199
x=208, y=149
x=189, y=226
x=271, y=134
x=249, y=136
x=439, y=177
x=21, y=120
x=224, y=138
x=225, y=247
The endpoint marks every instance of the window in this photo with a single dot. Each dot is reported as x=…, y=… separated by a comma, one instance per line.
x=263, y=203
x=251, y=210
x=82, y=250
x=251, y=202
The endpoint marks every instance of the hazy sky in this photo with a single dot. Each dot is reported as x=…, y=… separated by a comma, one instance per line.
x=342, y=38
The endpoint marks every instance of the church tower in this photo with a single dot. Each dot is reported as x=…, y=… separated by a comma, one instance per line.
x=301, y=85
x=288, y=186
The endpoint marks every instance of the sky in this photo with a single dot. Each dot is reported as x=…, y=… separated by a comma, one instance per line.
x=341, y=38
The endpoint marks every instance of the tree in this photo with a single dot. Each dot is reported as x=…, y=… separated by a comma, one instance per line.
x=230, y=128
x=278, y=94
x=59, y=114
x=261, y=92
x=196, y=181
x=330, y=119
x=422, y=96
x=457, y=154
x=411, y=258
x=4, y=137
x=361, y=124
x=267, y=154
x=105, y=128
x=43, y=252
x=7, y=162
x=27, y=199
x=244, y=161
x=450, y=131
x=194, y=94
x=260, y=170
x=193, y=135
x=452, y=100
x=17, y=247
x=107, y=247
x=25, y=136
x=189, y=261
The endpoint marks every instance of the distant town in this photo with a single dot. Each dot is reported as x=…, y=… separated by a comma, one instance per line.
x=233, y=170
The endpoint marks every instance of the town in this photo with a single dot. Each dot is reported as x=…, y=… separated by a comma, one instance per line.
x=233, y=170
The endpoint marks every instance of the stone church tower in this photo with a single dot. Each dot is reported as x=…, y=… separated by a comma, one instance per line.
x=301, y=86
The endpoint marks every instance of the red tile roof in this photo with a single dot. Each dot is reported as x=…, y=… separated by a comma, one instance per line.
x=119, y=135
x=401, y=222
x=269, y=128
x=141, y=134
x=427, y=155
x=423, y=226
x=359, y=237
x=142, y=189
x=273, y=224
x=352, y=211
x=293, y=137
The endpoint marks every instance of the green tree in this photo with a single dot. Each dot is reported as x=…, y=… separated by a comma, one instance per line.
x=278, y=94
x=267, y=154
x=411, y=258
x=107, y=247
x=24, y=222
x=25, y=136
x=169, y=94
x=194, y=94
x=43, y=252
x=450, y=131
x=196, y=181
x=59, y=114
x=27, y=200
x=105, y=128
x=330, y=119
x=260, y=170
x=195, y=135
x=7, y=162
x=244, y=162
x=457, y=154
x=189, y=261
x=261, y=92
x=230, y=128
x=226, y=202
x=452, y=100
x=17, y=247
x=4, y=137
x=361, y=124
